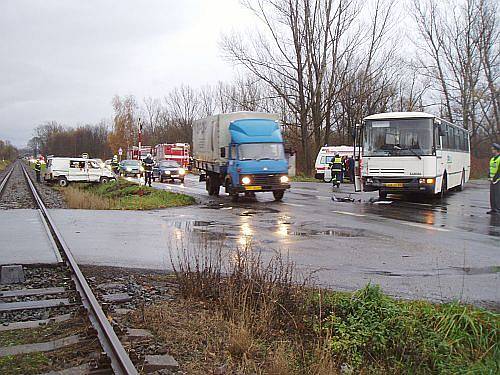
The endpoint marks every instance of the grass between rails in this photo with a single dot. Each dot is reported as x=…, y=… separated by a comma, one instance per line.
x=254, y=317
x=122, y=195
x=4, y=164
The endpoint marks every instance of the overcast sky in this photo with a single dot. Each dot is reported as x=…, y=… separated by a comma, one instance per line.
x=64, y=60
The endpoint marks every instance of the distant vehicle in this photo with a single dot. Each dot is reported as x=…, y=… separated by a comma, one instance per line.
x=413, y=152
x=326, y=155
x=166, y=170
x=130, y=168
x=179, y=152
x=65, y=170
x=133, y=152
x=242, y=151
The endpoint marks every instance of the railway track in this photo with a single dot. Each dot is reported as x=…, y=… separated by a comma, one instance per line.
x=63, y=295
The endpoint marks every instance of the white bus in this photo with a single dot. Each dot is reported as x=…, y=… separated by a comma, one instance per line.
x=413, y=152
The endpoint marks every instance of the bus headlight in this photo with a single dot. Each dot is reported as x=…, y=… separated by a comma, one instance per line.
x=182, y=171
x=246, y=180
x=284, y=179
x=428, y=181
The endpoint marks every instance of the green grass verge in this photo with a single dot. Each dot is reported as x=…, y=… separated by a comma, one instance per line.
x=24, y=364
x=123, y=195
x=302, y=178
x=370, y=330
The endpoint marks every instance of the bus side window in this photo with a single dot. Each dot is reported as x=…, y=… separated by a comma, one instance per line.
x=445, y=136
x=437, y=138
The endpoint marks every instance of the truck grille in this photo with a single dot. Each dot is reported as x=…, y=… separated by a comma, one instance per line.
x=265, y=179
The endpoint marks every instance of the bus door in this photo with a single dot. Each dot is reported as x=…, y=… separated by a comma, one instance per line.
x=439, y=133
x=358, y=138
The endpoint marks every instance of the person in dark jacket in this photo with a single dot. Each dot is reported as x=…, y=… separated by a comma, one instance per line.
x=494, y=177
x=350, y=163
x=38, y=170
x=336, y=166
x=115, y=165
x=148, y=163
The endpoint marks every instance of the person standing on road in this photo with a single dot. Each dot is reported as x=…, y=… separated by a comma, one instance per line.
x=148, y=169
x=494, y=177
x=38, y=170
x=114, y=164
x=336, y=167
x=350, y=163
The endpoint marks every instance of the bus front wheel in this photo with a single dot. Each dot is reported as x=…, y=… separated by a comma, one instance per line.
x=444, y=186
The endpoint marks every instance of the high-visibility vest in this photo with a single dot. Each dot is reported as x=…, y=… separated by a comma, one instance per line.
x=38, y=166
x=494, y=164
x=337, y=165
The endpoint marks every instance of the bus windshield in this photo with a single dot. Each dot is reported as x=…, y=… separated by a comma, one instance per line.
x=398, y=137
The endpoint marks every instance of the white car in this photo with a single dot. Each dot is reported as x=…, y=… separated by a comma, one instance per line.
x=65, y=170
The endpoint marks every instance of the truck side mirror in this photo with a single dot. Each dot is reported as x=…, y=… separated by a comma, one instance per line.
x=222, y=152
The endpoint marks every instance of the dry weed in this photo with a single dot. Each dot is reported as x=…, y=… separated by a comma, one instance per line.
x=240, y=341
x=78, y=198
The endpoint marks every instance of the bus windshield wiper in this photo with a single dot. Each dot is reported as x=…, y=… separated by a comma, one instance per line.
x=408, y=149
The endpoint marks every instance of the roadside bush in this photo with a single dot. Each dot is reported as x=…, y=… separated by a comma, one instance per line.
x=278, y=325
x=368, y=328
x=122, y=195
x=479, y=167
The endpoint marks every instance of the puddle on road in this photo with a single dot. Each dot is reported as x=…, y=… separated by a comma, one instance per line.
x=327, y=232
x=478, y=270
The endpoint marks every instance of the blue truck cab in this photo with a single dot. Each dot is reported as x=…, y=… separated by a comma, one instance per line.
x=242, y=152
x=256, y=160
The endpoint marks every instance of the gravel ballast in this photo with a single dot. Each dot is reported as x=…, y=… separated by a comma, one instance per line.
x=16, y=194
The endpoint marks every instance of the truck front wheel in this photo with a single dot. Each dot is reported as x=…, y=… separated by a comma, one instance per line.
x=278, y=194
x=212, y=185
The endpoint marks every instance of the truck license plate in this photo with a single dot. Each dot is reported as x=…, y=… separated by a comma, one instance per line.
x=253, y=187
x=395, y=185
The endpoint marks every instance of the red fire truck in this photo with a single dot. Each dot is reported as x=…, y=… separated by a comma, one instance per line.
x=133, y=152
x=173, y=151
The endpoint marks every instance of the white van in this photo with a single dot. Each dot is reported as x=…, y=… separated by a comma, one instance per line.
x=65, y=170
x=325, y=156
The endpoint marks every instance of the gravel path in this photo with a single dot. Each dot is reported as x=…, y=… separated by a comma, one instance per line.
x=17, y=193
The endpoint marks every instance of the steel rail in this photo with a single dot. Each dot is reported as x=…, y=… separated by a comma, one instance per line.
x=120, y=361
x=5, y=179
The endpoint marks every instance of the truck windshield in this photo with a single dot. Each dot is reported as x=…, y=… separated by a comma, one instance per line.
x=261, y=151
x=398, y=137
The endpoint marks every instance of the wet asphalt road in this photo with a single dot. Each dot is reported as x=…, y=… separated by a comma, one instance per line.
x=413, y=247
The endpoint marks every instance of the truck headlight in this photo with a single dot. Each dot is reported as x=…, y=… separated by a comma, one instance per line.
x=284, y=179
x=182, y=171
x=246, y=180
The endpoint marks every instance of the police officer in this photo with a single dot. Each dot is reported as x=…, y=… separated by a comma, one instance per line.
x=114, y=164
x=336, y=167
x=148, y=169
x=38, y=170
x=495, y=180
